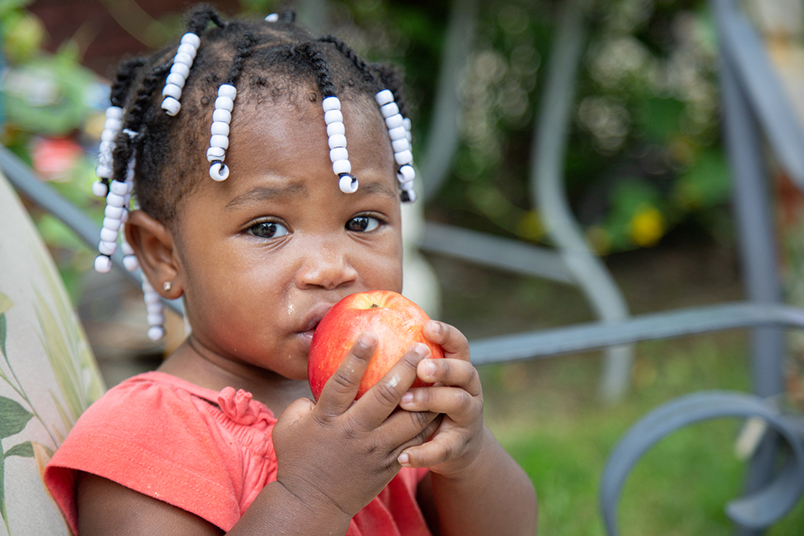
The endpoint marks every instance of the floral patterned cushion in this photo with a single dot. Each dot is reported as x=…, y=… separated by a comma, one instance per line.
x=48, y=375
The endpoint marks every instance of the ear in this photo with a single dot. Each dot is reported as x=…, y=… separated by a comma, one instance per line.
x=154, y=246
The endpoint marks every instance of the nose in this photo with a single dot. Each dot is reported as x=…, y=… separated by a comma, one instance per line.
x=325, y=266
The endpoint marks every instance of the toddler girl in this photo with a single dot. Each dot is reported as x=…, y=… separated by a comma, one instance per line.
x=253, y=210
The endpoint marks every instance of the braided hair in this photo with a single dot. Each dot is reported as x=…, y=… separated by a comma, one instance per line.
x=215, y=60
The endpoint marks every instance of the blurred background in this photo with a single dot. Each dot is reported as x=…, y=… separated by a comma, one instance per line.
x=646, y=176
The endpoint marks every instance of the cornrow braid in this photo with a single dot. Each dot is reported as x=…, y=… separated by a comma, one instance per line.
x=122, y=82
x=352, y=56
x=200, y=17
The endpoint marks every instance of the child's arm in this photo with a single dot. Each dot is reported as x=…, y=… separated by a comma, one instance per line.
x=333, y=457
x=474, y=485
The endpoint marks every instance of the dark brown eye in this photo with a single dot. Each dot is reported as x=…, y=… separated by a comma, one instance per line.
x=362, y=224
x=268, y=229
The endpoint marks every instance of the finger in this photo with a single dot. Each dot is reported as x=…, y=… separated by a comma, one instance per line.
x=451, y=340
x=383, y=398
x=403, y=426
x=420, y=438
x=450, y=371
x=442, y=447
x=461, y=406
x=340, y=390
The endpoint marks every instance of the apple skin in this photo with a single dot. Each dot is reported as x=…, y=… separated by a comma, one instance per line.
x=396, y=321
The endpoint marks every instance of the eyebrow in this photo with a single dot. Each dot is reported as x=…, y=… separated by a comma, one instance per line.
x=377, y=188
x=266, y=193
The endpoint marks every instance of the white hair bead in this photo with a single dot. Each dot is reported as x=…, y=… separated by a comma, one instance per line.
x=126, y=247
x=131, y=263
x=118, y=187
x=171, y=90
x=154, y=308
x=103, y=264
x=219, y=171
x=124, y=216
x=156, y=332
x=108, y=135
x=186, y=48
x=397, y=133
x=406, y=122
x=104, y=172
x=403, y=157
x=410, y=193
x=106, y=146
x=384, y=97
x=151, y=298
x=155, y=319
x=273, y=17
x=331, y=103
x=171, y=106
x=108, y=235
x=224, y=103
x=113, y=212
x=113, y=123
x=406, y=174
x=341, y=166
x=400, y=145
x=190, y=39
x=224, y=116
x=114, y=112
x=111, y=223
x=394, y=121
x=181, y=70
x=338, y=153
x=219, y=141
x=106, y=248
x=347, y=183
x=219, y=128
x=333, y=116
x=389, y=109
x=183, y=58
x=227, y=90
x=216, y=153
x=99, y=189
x=335, y=128
x=175, y=79
x=115, y=200
x=338, y=140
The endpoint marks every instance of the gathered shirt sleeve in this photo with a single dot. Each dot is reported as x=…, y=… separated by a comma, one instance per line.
x=206, y=452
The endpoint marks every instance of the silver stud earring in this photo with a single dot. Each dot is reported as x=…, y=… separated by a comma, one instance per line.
x=167, y=285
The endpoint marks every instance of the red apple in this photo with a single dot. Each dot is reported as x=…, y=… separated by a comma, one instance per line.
x=396, y=321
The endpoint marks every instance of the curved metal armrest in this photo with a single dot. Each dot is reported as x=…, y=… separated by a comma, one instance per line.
x=595, y=335
x=755, y=511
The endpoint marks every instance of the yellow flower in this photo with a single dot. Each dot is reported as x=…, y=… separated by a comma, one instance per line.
x=647, y=226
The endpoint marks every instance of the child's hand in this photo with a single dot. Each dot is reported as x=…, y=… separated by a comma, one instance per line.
x=457, y=394
x=338, y=454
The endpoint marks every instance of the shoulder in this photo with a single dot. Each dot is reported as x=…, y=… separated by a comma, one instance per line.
x=153, y=434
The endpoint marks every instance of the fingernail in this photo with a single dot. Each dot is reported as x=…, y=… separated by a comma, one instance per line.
x=429, y=368
x=421, y=349
x=436, y=327
x=403, y=459
x=366, y=340
x=407, y=398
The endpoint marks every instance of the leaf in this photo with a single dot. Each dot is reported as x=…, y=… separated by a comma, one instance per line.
x=5, y=303
x=23, y=450
x=3, y=333
x=13, y=417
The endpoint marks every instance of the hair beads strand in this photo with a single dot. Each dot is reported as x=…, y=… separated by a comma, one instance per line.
x=222, y=116
x=398, y=130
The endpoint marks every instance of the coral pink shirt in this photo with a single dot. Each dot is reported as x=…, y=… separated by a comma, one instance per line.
x=205, y=452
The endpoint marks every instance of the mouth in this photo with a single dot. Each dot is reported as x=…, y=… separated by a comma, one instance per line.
x=312, y=320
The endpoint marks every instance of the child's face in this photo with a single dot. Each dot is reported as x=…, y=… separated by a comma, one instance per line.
x=264, y=254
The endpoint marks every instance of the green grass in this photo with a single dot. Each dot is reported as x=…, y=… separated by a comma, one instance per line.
x=548, y=417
